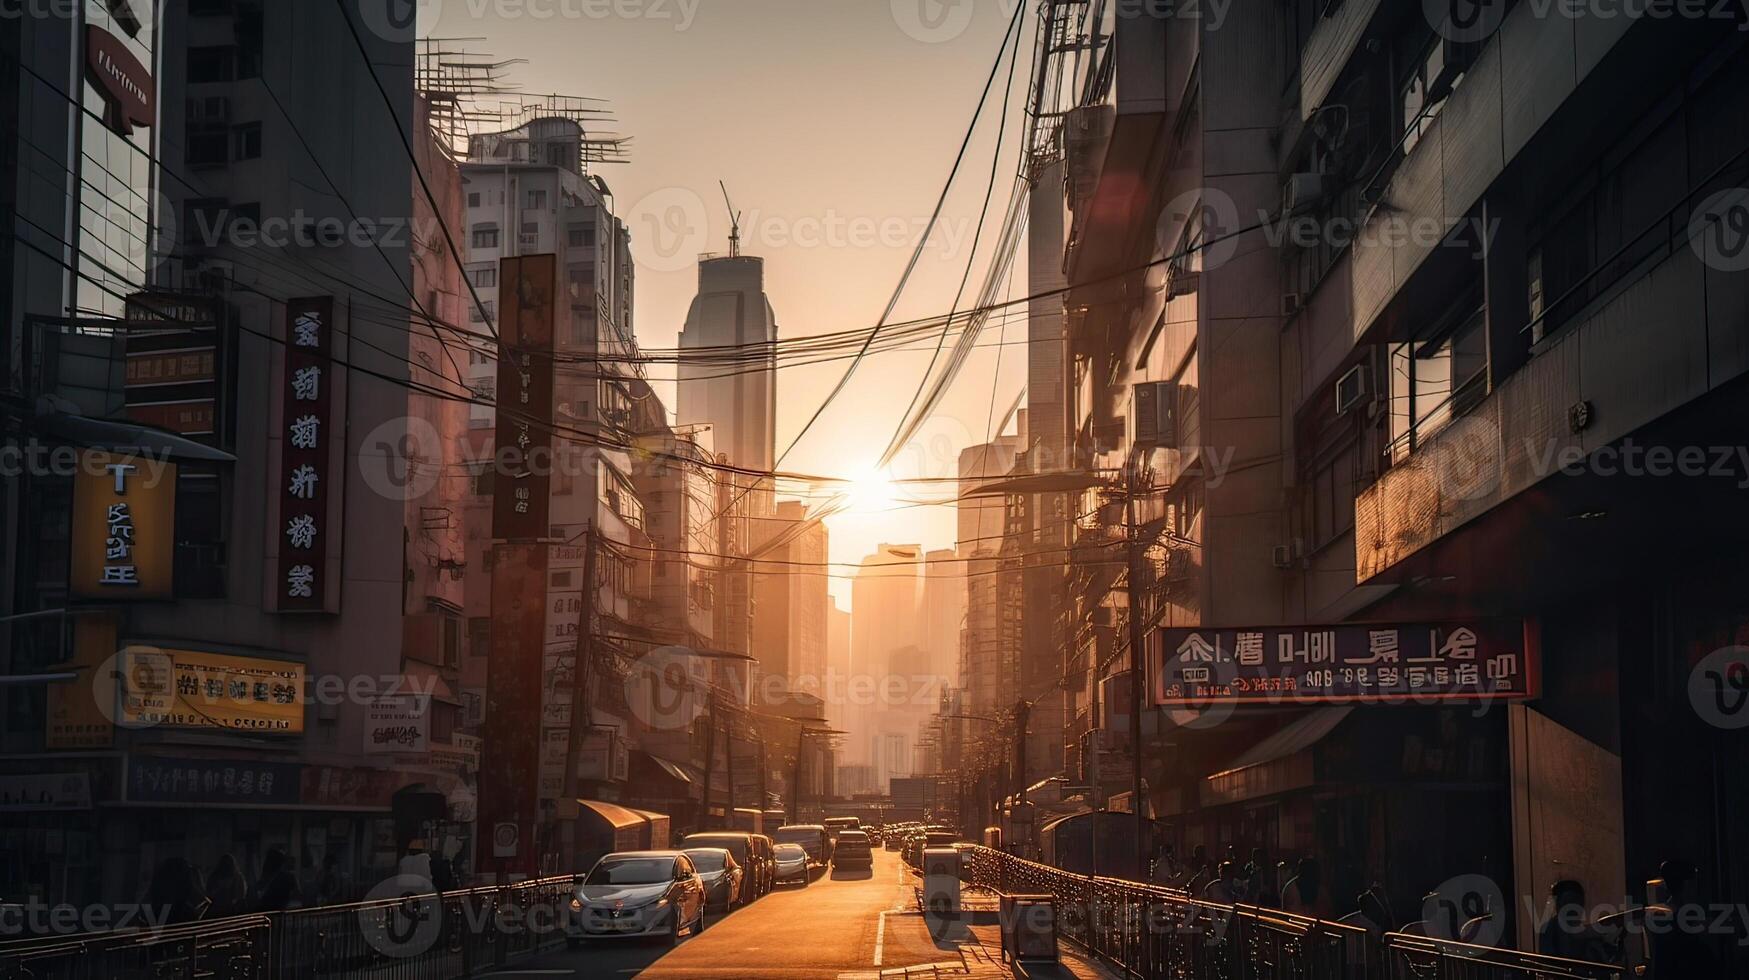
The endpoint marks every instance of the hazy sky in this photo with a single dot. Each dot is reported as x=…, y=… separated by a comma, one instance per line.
x=834, y=124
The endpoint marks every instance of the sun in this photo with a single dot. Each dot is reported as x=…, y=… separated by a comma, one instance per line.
x=871, y=491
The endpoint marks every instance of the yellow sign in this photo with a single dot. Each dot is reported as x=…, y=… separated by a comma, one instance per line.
x=185, y=689
x=124, y=527
x=80, y=711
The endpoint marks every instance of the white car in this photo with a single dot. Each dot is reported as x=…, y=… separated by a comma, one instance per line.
x=637, y=895
x=792, y=863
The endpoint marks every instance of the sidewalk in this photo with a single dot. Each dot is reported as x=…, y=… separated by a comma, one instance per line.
x=971, y=948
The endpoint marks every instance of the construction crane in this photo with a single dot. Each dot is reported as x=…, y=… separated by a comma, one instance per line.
x=734, y=223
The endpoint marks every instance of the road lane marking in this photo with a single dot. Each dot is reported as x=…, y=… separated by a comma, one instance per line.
x=880, y=938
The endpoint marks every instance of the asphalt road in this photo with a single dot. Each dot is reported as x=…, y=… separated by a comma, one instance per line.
x=833, y=928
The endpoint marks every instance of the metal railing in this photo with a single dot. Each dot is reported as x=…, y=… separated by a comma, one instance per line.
x=420, y=936
x=1157, y=933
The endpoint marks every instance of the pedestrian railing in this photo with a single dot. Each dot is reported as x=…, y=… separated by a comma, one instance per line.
x=233, y=949
x=1157, y=933
x=417, y=936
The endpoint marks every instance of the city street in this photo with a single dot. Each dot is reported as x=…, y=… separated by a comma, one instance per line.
x=832, y=928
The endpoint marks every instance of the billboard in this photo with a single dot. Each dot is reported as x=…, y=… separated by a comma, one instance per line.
x=1348, y=663
x=307, y=478
x=192, y=690
x=524, y=433
x=124, y=527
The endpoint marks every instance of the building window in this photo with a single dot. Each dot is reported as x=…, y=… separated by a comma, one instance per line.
x=207, y=146
x=537, y=198
x=483, y=276
x=474, y=199
x=581, y=236
x=485, y=236
x=211, y=64
x=247, y=139
x=1438, y=378
x=483, y=311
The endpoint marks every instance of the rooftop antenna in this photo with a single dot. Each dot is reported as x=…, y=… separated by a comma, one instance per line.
x=734, y=223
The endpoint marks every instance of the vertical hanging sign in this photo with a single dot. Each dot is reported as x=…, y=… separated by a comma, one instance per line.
x=524, y=457
x=305, y=473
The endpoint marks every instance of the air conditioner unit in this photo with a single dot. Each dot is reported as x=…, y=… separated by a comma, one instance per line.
x=1352, y=388
x=1302, y=191
x=1154, y=415
x=1288, y=555
x=1445, y=64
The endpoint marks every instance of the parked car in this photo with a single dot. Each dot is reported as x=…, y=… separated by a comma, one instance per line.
x=637, y=895
x=752, y=852
x=852, y=850
x=792, y=864
x=725, y=882
x=812, y=837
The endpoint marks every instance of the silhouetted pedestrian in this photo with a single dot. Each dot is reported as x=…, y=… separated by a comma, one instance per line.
x=278, y=886
x=1305, y=894
x=175, y=893
x=228, y=888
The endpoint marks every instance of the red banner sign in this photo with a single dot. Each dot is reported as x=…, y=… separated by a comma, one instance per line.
x=525, y=398
x=306, y=478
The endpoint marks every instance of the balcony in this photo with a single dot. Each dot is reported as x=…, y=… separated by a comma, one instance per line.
x=1665, y=342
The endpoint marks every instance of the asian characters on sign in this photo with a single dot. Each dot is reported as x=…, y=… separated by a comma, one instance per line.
x=304, y=541
x=1347, y=663
x=124, y=527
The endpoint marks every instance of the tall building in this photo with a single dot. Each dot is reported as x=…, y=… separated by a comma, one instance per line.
x=728, y=362
x=790, y=600
x=944, y=613
x=305, y=532
x=886, y=638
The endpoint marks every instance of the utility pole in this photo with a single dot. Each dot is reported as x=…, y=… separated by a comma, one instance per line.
x=729, y=747
x=710, y=757
x=795, y=785
x=582, y=667
x=1138, y=664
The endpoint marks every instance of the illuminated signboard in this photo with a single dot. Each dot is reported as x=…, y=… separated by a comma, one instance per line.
x=306, y=479
x=1366, y=663
x=525, y=398
x=187, y=689
x=130, y=96
x=124, y=527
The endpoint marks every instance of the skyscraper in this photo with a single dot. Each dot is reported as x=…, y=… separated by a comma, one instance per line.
x=728, y=361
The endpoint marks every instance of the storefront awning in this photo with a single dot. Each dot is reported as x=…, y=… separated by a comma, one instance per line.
x=1279, y=763
x=617, y=817
x=128, y=438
